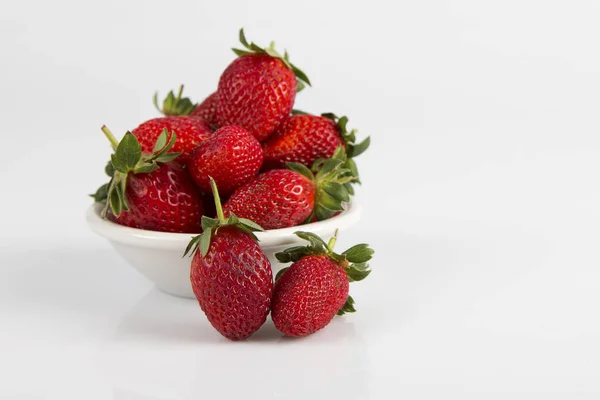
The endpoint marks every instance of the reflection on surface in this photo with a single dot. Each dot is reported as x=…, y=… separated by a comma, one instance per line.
x=165, y=349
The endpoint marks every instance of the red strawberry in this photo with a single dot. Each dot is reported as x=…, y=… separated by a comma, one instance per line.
x=257, y=90
x=309, y=293
x=147, y=190
x=232, y=156
x=278, y=199
x=287, y=197
x=304, y=138
x=231, y=275
x=207, y=110
x=190, y=132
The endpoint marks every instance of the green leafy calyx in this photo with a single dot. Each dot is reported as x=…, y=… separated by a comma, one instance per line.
x=354, y=260
x=353, y=149
x=210, y=226
x=348, y=307
x=128, y=158
x=299, y=112
x=331, y=179
x=252, y=48
x=175, y=104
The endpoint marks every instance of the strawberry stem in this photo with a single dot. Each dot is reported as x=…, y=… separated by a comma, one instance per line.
x=331, y=243
x=218, y=206
x=113, y=140
x=179, y=94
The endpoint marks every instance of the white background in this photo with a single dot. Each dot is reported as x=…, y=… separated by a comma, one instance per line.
x=481, y=194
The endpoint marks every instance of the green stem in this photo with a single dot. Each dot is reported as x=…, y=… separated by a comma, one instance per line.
x=179, y=94
x=155, y=101
x=331, y=243
x=218, y=206
x=113, y=140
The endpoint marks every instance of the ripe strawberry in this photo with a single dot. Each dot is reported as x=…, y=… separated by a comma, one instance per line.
x=309, y=293
x=207, y=110
x=257, y=90
x=304, y=138
x=231, y=275
x=278, y=199
x=287, y=197
x=147, y=190
x=190, y=132
x=232, y=156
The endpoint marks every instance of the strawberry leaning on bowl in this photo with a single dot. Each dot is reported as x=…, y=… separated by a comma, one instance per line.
x=190, y=131
x=309, y=293
x=257, y=90
x=287, y=197
x=230, y=274
x=232, y=156
x=304, y=138
x=149, y=190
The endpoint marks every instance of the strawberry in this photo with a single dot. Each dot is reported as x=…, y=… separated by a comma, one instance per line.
x=309, y=293
x=190, y=132
x=232, y=156
x=278, y=198
x=304, y=138
x=257, y=90
x=230, y=275
x=287, y=197
x=207, y=110
x=148, y=190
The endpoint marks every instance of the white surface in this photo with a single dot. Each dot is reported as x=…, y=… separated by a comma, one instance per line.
x=158, y=255
x=481, y=199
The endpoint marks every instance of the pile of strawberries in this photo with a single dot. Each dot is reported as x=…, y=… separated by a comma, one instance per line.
x=275, y=166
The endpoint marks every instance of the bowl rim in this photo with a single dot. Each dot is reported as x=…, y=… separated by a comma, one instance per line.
x=168, y=240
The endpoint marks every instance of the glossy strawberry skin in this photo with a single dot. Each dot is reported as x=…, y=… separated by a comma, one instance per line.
x=207, y=110
x=308, y=295
x=233, y=283
x=190, y=132
x=232, y=156
x=302, y=139
x=256, y=92
x=163, y=200
x=275, y=199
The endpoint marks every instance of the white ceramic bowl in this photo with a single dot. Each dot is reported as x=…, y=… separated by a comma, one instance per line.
x=158, y=255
